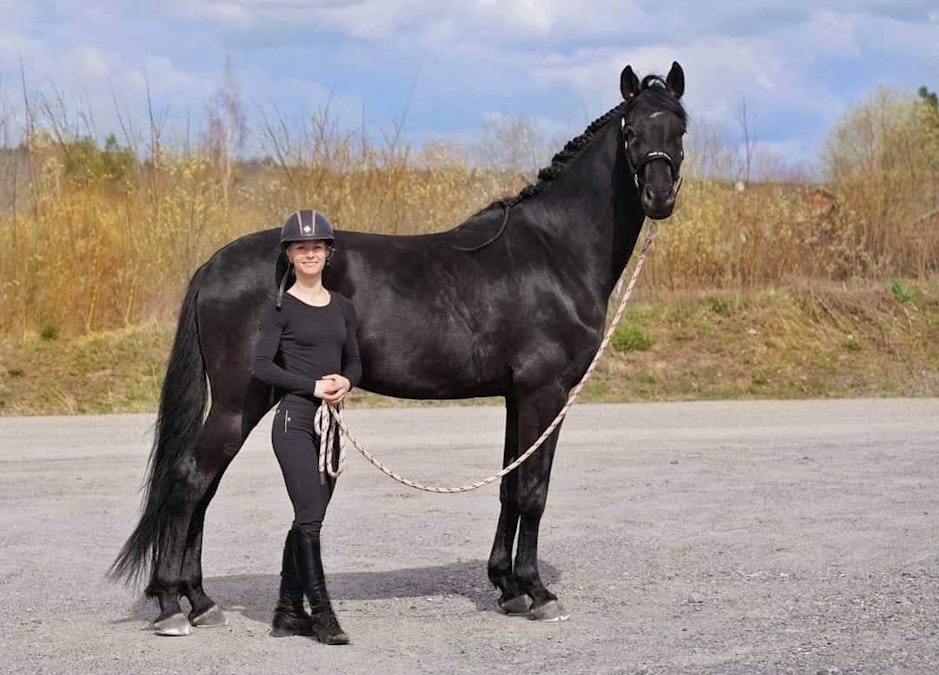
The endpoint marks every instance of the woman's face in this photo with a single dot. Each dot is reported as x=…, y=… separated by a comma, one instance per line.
x=308, y=257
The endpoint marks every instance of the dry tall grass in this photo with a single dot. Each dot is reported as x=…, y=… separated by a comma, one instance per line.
x=876, y=217
x=88, y=250
x=100, y=238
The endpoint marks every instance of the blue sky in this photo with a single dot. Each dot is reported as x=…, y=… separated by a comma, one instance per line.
x=453, y=66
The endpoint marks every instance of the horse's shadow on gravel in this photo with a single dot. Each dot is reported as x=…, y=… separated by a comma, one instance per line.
x=254, y=595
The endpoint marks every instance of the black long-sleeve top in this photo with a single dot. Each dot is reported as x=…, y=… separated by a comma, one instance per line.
x=300, y=343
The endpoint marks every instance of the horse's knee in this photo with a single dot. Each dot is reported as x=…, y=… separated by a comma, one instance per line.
x=508, y=489
x=531, y=505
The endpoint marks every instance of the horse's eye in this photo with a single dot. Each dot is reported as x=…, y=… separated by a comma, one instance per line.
x=630, y=134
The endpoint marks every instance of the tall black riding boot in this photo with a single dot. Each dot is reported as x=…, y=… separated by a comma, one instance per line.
x=326, y=626
x=290, y=618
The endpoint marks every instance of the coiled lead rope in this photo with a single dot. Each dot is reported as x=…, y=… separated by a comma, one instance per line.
x=325, y=426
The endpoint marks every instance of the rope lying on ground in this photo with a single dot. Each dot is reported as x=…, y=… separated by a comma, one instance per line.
x=337, y=412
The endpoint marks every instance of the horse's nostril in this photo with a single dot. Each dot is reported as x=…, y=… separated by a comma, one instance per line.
x=649, y=194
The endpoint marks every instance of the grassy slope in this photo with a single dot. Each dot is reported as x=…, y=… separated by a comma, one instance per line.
x=802, y=341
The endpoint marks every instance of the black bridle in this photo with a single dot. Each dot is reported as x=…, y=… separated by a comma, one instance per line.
x=651, y=156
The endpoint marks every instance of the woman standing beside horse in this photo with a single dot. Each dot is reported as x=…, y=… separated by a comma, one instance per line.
x=511, y=303
x=306, y=350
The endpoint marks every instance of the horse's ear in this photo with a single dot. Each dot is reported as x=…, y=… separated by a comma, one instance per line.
x=628, y=83
x=676, y=80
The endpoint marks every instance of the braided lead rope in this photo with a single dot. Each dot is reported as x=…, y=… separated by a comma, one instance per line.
x=337, y=414
x=326, y=429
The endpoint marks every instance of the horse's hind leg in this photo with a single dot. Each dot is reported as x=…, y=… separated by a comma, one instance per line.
x=219, y=440
x=222, y=440
x=226, y=433
x=536, y=411
x=512, y=601
x=205, y=611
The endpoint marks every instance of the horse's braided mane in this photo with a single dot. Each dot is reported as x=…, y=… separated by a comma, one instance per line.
x=560, y=161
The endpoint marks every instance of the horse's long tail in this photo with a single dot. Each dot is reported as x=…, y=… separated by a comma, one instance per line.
x=181, y=414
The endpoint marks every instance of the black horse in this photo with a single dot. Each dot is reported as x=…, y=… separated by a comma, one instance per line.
x=511, y=303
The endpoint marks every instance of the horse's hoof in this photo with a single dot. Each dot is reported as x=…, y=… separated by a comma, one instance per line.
x=517, y=605
x=550, y=611
x=210, y=618
x=174, y=625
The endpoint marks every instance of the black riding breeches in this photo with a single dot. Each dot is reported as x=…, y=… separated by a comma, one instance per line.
x=296, y=446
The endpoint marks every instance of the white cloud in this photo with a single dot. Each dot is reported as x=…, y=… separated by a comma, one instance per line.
x=380, y=20
x=373, y=19
x=780, y=72
x=558, y=61
x=634, y=22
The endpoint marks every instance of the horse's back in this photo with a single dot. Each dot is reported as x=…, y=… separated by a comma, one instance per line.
x=439, y=315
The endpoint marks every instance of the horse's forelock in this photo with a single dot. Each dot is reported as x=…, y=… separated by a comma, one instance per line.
x=650, y=81
x=654, y=90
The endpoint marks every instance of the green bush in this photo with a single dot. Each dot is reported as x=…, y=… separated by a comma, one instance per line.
x=901, y=291
x=630, y=338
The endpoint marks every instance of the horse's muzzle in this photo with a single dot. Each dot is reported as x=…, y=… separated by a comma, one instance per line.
x=658, y=203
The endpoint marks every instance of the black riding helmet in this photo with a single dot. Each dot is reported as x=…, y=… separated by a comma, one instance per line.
x=302, y=225
x=306, y=225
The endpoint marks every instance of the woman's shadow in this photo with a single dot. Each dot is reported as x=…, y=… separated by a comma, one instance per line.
x=254, y=595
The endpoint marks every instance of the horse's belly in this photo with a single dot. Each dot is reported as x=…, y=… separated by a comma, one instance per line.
x=430, y=369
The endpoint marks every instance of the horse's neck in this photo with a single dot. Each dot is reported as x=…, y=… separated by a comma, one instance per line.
x=594, y=210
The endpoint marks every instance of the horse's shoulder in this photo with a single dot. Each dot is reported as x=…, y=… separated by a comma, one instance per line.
x=346, y=306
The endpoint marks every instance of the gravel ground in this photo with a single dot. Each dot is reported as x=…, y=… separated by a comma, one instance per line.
x=751, y=537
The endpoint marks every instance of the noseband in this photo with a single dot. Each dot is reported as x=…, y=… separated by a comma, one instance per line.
x=650, y=156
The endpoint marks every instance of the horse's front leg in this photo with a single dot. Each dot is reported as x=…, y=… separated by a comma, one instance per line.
x=536, y=411
x=512, y=601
